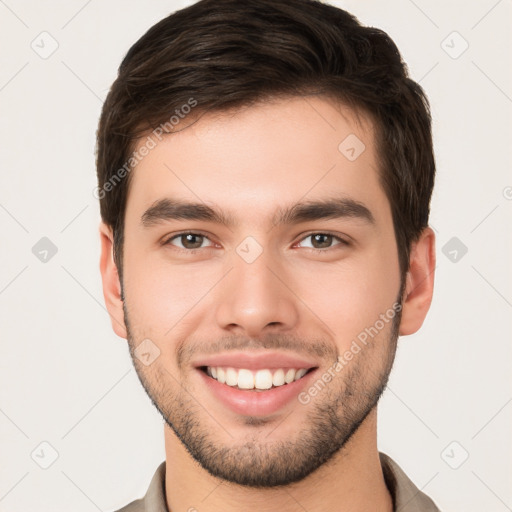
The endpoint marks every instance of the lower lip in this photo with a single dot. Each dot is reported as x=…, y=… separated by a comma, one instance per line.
x=256, y=403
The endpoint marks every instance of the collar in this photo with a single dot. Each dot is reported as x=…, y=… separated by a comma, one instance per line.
x=406, y=496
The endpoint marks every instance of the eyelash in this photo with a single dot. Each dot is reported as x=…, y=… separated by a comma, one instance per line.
x=198, y=233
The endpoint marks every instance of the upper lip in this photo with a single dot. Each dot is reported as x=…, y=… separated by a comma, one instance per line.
x=255, y=360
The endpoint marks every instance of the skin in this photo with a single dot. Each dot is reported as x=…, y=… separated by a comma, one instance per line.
x=248, y=164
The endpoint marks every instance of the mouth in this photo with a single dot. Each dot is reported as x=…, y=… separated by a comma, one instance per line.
x=260, y=380
x=260, y=392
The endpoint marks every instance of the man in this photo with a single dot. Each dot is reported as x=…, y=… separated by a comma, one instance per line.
x=265, y=171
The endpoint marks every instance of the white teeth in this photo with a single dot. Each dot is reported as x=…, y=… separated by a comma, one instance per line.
x=278, y=378
x=261, y=379
x=221, y=375
x=290, y=375
x=245, y=379
x=300, y=373
x=231, y=377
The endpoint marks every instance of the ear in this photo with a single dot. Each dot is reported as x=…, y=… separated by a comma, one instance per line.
x=111, y=282
x=419, y=283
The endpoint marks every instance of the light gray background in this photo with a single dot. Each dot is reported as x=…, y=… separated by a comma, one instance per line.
x=67, y=380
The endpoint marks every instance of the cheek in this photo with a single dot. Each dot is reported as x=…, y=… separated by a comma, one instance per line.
x=164, y=297
x=351, y=296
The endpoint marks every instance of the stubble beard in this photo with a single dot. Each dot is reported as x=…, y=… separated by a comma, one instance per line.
x=259, y=460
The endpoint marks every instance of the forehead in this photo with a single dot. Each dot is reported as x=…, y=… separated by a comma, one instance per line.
x=249, y=160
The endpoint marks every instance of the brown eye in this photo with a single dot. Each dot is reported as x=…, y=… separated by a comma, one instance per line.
x=192, y=241
x=188, y=241
x=323, y=241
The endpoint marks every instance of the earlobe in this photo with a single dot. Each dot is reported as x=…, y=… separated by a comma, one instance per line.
x=419, y=285
x=111, y=282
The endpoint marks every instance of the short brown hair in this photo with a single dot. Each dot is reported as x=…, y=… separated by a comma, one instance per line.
x=227, y=54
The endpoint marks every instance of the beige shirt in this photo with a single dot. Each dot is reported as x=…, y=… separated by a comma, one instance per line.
x=406, y=496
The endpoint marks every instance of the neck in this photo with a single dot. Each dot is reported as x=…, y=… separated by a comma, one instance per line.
x=351, y=481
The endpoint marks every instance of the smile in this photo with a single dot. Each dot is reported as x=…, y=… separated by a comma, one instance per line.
x=260, y=380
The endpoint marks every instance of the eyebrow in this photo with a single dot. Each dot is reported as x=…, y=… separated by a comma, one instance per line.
x=167, y=209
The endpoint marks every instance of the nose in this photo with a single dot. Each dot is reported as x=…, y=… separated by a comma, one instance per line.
x=256, y=298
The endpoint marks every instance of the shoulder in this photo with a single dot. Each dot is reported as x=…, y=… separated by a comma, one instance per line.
x=406, y=496
x=134, y=506
x=155, y=499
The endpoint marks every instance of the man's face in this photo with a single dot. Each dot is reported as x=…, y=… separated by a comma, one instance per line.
x=298, y=292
